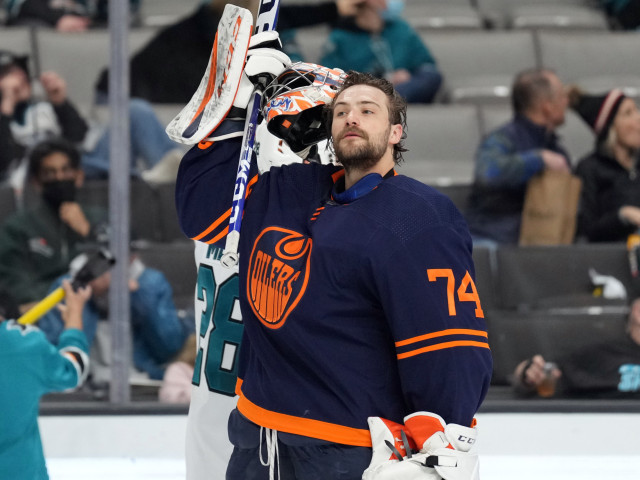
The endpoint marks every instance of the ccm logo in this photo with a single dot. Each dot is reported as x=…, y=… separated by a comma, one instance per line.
x=468, y=440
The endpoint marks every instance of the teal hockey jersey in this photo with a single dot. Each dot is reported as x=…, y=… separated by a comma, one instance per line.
x=30, y=366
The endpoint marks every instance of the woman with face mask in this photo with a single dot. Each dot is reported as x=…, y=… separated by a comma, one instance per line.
x=610, y=204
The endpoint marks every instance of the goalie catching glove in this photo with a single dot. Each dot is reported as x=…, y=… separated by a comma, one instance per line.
x=444, y=451
x=237, y=60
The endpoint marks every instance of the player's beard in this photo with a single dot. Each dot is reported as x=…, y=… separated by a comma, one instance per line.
x=364, y=155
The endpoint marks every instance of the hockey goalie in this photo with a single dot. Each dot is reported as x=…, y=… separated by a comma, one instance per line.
x=352, y=319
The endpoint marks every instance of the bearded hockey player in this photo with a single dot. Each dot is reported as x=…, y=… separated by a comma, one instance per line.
x=364, y=352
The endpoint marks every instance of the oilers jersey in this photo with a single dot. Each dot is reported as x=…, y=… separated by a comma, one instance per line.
x=30, y=366
x=355, y=303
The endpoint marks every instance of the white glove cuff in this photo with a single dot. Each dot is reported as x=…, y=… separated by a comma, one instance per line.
x=264, y=37
x=266, y=60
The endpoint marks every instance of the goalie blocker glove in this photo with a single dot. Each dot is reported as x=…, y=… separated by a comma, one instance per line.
x=445, y=451
x=265, y=61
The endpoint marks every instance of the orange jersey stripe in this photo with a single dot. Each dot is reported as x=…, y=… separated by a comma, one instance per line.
x=226, y=215
x=215, y=224
x=442, y=333
x=221, y=235
x=307, y=427
x=442, y=346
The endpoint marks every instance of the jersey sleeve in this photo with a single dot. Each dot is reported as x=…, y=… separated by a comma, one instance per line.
x=58, y=368
x=205, y=188
x=428, y=293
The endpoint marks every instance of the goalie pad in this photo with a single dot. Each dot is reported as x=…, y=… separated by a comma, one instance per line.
x=217, y=91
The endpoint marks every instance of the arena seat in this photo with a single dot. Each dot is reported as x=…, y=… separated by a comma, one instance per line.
x=558, y=16
x=493, y=116
x=311, y=42
x=556, y=278
x=80, y=57
x=485, y=264
x=458, y=193
x=500, y=13
x=160, y=13
x=442, y=14
x=176, y=261
x=145, y=213
x=596, y=61
x=167, y=111
x=516, y=337
x=576, y=136
x=17, y=40
x=441, y=141
x=479, y=66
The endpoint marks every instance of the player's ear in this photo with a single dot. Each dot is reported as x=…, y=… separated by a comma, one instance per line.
x=395, y=135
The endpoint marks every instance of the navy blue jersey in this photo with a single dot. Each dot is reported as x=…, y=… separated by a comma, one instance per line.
x=357, y=303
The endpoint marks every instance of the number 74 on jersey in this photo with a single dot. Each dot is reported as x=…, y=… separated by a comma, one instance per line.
x=466, y=291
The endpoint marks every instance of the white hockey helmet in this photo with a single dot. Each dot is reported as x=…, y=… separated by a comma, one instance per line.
x=292, y=103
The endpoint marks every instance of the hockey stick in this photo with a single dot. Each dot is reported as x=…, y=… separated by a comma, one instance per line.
x=96, y=264
x=266, y=21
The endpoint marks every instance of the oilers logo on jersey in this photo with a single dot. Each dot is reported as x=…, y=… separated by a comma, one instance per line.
x=278, y=274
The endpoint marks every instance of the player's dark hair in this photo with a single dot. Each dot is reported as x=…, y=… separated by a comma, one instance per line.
x=54, y=145
x=397, y=105
x=529, y=87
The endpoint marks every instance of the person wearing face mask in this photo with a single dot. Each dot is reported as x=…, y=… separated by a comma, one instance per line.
x=610, y=203
x=378, y=41
x=37, y=244
x=26, y=119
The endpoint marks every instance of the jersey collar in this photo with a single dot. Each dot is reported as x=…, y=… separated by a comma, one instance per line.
x=363, y=186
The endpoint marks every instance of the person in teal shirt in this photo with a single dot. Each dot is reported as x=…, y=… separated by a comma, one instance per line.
x=378, y=41
x=30, y=366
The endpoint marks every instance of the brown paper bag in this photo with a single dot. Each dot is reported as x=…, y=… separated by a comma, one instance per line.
x=550, y=209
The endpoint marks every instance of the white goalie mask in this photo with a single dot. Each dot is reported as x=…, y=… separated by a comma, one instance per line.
x=293, y=104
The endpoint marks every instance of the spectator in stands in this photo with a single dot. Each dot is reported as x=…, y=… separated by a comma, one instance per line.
x=510, y=155
x=30, y=367
x=179, y=54
x=158, y=332
x=625, y=12
x=65, y=16
x=378, y=41
x=609, y=369
x=610, y=203
x=26, y=120
x=37, y=244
